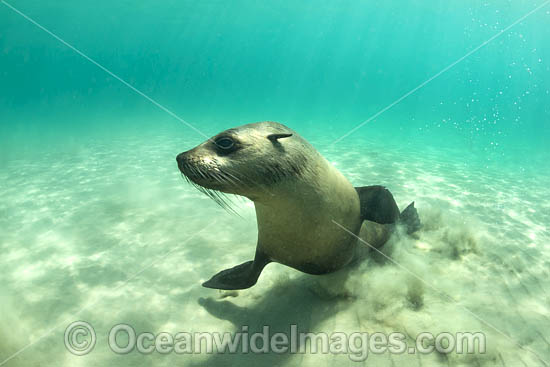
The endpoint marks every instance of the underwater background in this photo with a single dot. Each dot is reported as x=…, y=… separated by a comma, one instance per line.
x=98, y=225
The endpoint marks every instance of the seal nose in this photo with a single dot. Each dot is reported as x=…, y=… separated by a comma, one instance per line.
x=181, y=160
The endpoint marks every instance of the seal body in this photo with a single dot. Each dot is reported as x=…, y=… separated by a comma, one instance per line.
x=298, y=195
x=295, y=226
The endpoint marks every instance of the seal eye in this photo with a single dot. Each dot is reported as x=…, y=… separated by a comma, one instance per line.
x=225, y=143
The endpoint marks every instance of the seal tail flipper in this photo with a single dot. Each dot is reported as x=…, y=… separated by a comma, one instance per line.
x=241, y=276
x=409, y=217
x=377, y=204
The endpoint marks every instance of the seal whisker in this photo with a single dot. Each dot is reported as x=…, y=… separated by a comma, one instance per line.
x=201, y=173
x=216, y=177
x=218, y=197
x=185, y=177
x=256, y=183
x=226, y=177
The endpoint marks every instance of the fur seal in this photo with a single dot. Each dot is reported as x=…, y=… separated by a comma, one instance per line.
x=297, y=194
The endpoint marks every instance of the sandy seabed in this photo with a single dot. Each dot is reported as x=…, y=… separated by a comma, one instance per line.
x=114, y=235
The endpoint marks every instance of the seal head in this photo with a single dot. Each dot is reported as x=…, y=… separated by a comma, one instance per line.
x=246, y=160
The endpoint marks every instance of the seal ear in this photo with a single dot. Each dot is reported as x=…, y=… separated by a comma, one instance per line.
x=274, y=137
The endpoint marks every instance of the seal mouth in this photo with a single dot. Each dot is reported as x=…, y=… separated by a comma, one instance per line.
x=208, y=179
x=193, y=171
x=207, y=175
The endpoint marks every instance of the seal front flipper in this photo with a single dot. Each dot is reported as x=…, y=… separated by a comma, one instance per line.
x=241, y=276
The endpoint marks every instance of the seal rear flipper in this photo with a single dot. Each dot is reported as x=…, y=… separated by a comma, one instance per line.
x=241, y=276
x=377, y=204
x=409, y=217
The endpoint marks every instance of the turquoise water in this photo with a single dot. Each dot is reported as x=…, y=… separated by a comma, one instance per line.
x=97, y=224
